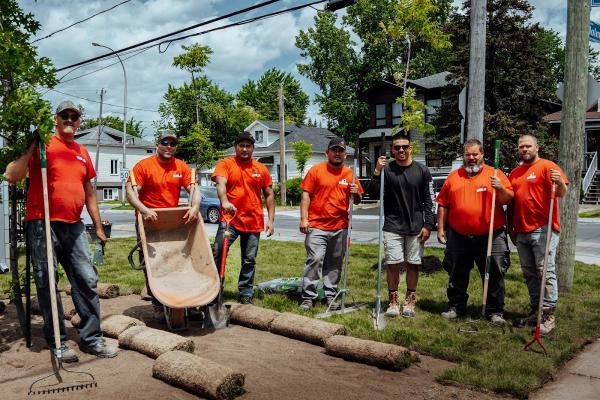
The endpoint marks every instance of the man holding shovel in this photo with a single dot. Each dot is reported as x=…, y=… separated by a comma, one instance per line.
x=532, y=182
x=464, y=217
x=409, y=219
x=327, y=189
x=69, y=170
x=160, y=178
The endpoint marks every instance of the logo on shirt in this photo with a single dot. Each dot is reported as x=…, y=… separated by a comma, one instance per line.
x=83, y=160
x=481, y=189
x=176, y=175
x=255, y=174
x=531, y=176
x=343, y=182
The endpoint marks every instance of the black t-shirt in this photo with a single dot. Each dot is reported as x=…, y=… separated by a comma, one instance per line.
x=407, y=198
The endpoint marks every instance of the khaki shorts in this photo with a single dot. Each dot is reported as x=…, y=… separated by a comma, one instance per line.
x=399, y=249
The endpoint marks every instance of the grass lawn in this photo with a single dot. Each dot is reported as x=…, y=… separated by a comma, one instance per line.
x=488, y=359
x=590, y=214
x=125, y=207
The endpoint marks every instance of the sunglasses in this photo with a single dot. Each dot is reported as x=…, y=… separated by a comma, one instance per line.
x=168, y=143
x=66, y=116
x=401, y=146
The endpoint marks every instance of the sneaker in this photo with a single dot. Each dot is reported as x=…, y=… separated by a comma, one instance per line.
x=408, y=310
x=497, y=319
x=332, y=305
x=451, y=314
x=306, y=304
x=393, y=309
x=548, y=324
x=101, y=350
x=246, y=300
x=159, y=314
x=67, y=355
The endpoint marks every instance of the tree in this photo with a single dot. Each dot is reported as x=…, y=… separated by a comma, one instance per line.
x=134, y=128
x=302, y=152
x=262, y=96
x=21, y=70
x=202, y=150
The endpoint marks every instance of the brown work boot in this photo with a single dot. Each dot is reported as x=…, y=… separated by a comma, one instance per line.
x=393, y=309
x=410, y=302
x=548, y=324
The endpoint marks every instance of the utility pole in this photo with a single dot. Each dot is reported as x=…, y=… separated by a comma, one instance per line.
x=98, y=139
x=282, y=177
x=476, y=92
x=572, y=130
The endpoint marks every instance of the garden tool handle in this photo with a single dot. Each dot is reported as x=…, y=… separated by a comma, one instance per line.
x=226, y=235
x=192, y=187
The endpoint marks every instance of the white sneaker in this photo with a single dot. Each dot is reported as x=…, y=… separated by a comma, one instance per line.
x=393, y=309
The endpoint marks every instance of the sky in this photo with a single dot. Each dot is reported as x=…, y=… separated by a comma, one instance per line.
x=239, y=53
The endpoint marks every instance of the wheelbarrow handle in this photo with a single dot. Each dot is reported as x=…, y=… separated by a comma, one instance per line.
x=136, y=247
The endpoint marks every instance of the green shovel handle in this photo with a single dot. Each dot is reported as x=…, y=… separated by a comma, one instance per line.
x=497, y=153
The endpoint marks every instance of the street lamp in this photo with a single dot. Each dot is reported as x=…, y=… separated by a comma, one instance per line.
x=124, y=167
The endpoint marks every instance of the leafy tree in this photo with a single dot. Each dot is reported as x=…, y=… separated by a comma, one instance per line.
x=202, y=149
x=134, y=128
x=262, y=96
x=21, y=107
x=302, y=152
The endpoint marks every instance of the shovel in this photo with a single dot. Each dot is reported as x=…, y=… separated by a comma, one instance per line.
x=379, y=322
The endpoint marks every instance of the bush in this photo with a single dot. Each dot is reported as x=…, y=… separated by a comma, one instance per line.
x=293, y=191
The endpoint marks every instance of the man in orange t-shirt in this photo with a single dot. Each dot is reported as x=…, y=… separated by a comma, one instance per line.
x=69, y=170
x=464, y=216
x=240, y=180
x=327, y=188
x=160, y=178
x=532, y=182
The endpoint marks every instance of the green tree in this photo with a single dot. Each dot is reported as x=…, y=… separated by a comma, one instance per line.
x=202, y=150
x=22, y=109
x=302, y=152
x=261, y=95
x=134, y=127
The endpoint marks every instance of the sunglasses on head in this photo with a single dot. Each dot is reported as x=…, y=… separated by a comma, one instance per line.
x=401, y=146
x=67, y=116
x=168, y=143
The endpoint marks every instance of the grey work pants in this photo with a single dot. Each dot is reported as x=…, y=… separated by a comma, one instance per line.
x=325, y=251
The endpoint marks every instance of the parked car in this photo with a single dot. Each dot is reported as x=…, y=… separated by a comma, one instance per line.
x=438, y=182
x=209, y=204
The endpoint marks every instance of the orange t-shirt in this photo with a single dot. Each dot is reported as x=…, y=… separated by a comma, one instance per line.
x=533, y=187
x=244, y=184
x=160, y=184
x=329, y=190
x=469, y=200
x=69, y=167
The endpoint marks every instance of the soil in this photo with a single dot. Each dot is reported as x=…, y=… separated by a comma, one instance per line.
x=275, y=367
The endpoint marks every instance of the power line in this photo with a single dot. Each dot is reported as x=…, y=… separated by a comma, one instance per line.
x=80, y=21
x=108, y=104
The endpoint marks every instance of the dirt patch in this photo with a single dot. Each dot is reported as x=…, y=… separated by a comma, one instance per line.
x=275, y=367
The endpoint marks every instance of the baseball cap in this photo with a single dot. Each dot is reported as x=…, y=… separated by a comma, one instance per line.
x=166, y=133
x=336, y=142
x=245, y=136
x=67, y=105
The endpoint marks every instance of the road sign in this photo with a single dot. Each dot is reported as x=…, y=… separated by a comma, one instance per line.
x=594, y=31
x=595, y=3
x=124, y=175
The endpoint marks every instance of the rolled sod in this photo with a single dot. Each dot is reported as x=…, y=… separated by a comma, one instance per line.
x=105, y=290
x=114, y=325
x=153, y=342
x=75, y=320
x=305, y=329
x=382, y=355
x=198, y=375
x=67, y=303
x=252, y=316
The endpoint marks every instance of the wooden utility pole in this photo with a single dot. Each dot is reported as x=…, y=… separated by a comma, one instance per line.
x=572, y=131
x=282, y=177
x=476, y=92
x=98, y=139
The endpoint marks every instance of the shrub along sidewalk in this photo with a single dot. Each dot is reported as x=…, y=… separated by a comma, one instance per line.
x=489, y=359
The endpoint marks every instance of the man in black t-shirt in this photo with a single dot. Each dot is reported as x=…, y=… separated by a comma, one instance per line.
x=409, y=219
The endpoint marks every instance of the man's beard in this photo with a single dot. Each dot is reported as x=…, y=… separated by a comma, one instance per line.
x=473, y=169
x=336, y=164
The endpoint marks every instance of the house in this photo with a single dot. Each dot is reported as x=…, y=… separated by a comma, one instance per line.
x=110, y=159
x=266, y=147
x=386, y=115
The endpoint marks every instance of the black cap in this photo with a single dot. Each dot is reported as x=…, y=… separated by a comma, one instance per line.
x=245, y=136
x=336, y=142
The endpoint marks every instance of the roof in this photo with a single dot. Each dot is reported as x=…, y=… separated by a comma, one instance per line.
x=376, y=132
x=438, y=80
x=556, y=116
x=110, y=137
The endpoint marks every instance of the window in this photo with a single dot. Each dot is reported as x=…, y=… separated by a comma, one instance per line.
x=113, y=167
x=380, y=115
x=110, y=194
x=396, y=114
x=258, y=136
x=150, y=151
x=432, y=108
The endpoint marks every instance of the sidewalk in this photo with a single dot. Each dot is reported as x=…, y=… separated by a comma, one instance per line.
x=578, y=380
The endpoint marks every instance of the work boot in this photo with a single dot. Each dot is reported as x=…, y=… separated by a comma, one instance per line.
x=529, y=320
x=451, y=314
x=306, y=305
x=101, y=350
x=548, y=324
x=393, y=309
x=497, y=319
x=67, y=355
x=246, y=300
x=408, y=310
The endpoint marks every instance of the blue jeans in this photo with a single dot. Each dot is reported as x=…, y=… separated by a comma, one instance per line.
x=249, y=248
x=72, y=251
x=531, y=247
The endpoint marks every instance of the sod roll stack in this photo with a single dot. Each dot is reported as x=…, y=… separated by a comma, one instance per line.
x=252, y=316
x=153, y=342
x=305, y=329
x=198, y=375
x=382, y=355
x=105, y=290
x=113, y=325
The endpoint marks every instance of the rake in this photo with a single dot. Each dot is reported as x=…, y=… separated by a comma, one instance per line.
x=55, y=355
x=379, y=322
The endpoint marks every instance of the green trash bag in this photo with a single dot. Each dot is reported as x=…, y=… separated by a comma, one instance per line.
x=289, y=286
